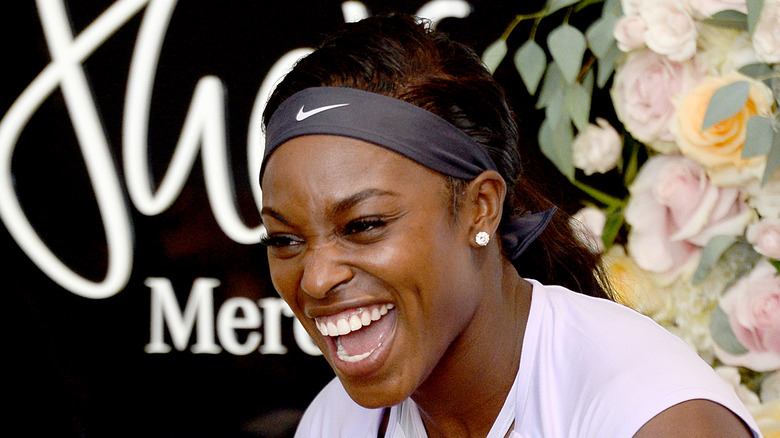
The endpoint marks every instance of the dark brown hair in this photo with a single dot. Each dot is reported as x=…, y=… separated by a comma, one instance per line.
x=399, y=56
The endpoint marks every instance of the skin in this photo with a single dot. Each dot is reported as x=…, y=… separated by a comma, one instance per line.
x=421, y=259
x=346, y=232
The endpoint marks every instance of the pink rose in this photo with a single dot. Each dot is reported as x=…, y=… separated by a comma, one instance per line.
x=629, y=33
x=588, y=225
x=766, y=38
x=643, y=91
x=671, y=30
x=708, y=8
x=674, y=210
x=753, y=309
x=765, y=237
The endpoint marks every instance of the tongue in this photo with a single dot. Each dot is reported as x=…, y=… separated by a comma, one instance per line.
x=370, y=337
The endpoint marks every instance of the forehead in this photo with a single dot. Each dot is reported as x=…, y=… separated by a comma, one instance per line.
x=335, y=167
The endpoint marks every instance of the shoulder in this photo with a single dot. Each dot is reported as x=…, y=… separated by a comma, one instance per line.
x=334, y=414
x=620, y=368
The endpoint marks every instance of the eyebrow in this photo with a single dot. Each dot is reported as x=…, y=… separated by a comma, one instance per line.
x=342, y=206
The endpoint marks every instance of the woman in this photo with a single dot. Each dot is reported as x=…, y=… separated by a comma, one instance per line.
x=400, y=231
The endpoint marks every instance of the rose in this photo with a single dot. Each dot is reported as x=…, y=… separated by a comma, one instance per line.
x=723, y=51
x=766, y=38
x=674, y=210
x=770, y=387
x=765, y=199
x=765, y=237
x=753, y=309
x=720, y=146
x=588, y=225
x=632, y=286
x=642, y=93
x=629, y=33
x=671, y=30
x=708, y=8
x=630, y=7
x=597, y=148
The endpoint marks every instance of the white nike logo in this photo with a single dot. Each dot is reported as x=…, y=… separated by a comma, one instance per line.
x=303, y=115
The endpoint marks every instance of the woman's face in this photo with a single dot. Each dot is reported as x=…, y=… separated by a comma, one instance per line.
x=364, y=248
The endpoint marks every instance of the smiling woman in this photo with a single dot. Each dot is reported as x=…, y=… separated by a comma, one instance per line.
x=403, y=236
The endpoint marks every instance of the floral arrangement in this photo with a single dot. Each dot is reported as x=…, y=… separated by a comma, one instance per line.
x=691, y=237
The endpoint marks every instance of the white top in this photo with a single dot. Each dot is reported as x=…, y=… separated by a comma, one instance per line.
x=589, y=368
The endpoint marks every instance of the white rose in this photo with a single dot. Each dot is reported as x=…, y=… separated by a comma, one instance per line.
x=708, y=8
x=764, y=235
x=671, y=30
x=588, y=225
x=722, y=51
x=731, y=375
x=630, y=7
x=770, y=387
x=643, y=93
x=597, y=148
x=766, y=38
x=765, y=199
x=629, y=33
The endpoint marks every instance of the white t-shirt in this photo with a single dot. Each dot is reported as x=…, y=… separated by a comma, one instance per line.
x=589, y=368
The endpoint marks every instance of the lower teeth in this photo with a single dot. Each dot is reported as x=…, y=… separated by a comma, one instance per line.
x=343, y=355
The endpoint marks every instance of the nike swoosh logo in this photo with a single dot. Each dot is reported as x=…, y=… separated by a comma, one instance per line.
x=303, y=115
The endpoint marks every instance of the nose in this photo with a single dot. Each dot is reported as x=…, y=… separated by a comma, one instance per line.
x=324, y=270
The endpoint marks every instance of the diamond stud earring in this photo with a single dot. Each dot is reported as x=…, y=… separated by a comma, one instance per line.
x=482, y=238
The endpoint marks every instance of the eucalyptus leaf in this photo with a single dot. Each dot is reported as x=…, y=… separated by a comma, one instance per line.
x=772, y=160
x=728, y=19
x=757, y=71
x=759, y=137
x=600, y=35
x=494, y=54
x=554, y=5
x=606, y=66
x=551, y=87
x=567, y=46
x=578, y=105
x=725, y=102
x=710, y=255
x=723, y=335
x=555, y=143
x=754, y=8
x=555, y=111
x=612, y=7
x=531, y=62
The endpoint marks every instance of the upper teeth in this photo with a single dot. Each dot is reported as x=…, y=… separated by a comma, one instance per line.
x=348, y=322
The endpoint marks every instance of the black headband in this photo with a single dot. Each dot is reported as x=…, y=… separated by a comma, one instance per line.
x=402, y=127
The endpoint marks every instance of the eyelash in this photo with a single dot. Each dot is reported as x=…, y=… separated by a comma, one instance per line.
x=357, y=226
x=279, y=241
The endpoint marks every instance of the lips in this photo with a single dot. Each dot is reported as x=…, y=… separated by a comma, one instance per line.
x=358, y=333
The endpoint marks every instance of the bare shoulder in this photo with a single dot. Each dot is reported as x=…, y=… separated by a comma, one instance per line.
x=695, y=418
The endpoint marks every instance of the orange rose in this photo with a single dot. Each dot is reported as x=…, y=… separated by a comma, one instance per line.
x=720, y=146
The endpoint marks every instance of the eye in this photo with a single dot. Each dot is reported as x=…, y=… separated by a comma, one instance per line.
x=364, y=229
x=282, y=245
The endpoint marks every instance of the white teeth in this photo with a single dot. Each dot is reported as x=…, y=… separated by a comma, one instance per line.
x=357, y=321
x=343, y=355
x=343, y=327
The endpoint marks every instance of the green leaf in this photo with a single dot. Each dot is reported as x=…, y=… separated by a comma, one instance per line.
x=772, y=160
x=554, y=5
x=728, y=19
x=554, y=112
x=612, y=7
x=612, y=227
x=759, y=137
x=722, y=333
x=606, y=66
x=710, y=255
x=600, y=36
x=494, y=54
x=757, y=71
x=727, y=101
x=555, y=143
x=530, y=62
x=578, y=105
x=754, y=8
x=776, y=264
x=551, y=87
x=567, y=46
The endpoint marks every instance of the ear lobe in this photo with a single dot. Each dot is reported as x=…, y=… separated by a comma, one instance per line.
x=486, y=194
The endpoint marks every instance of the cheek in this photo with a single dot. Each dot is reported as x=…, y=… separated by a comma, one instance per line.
x=285, y=278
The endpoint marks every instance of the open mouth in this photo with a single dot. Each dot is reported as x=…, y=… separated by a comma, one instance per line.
x=357, y=333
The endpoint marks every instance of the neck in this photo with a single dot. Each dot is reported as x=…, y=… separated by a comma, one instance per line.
x=464, y=394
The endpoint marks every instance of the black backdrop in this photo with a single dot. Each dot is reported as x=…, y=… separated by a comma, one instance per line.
x=76, y=361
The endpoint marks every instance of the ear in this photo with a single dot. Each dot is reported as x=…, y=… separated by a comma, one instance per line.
x=485, y=203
